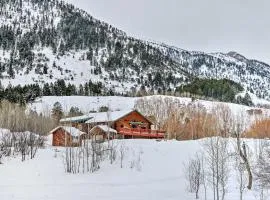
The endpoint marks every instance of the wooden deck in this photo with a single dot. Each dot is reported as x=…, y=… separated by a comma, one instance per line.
x=142, y=133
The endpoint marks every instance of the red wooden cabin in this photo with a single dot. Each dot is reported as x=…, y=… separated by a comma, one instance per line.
x=66, y=136
x=128, y=124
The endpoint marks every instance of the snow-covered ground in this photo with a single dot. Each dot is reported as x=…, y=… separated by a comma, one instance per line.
x=160, y=175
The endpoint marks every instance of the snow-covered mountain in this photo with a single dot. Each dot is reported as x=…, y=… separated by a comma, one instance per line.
x=42, y=41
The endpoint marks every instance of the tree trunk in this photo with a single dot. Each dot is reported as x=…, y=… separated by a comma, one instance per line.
x=243, y=155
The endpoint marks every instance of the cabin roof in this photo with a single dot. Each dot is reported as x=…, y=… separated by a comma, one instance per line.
x=107, y=117
x=100, y=117
x=71, y=130
x=104, y=128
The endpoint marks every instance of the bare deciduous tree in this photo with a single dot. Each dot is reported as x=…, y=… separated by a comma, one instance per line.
x=217, y=158
x=194, y=174
x=122, y=152
x=224, y=120
x=241, y=174
x=263, y=167
x=242, y=152
x=34, y=142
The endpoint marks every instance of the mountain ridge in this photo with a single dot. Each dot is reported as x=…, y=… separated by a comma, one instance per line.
x=44, y=41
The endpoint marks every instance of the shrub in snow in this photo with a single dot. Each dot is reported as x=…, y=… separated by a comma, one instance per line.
x=24, y=144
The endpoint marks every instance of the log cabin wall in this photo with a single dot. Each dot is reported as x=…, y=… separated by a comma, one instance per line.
x=59, y=138
x=131, y=117
x=99, y=134
x=83, y=127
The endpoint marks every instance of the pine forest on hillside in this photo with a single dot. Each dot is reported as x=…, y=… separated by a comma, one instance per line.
x=42, y=42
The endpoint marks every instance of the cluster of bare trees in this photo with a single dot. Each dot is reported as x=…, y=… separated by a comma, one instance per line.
x=157, y=108
x=186, y=121
x=262, y=168
x=195, y=174
x=210, y=168
x=23, y=144
x=259, y=129
x=17, y=118
x=228, y=152
x=213, y=167
x=192, y=121
x=85, y=158
x=225, y=146
x=89, y=157
x=217, y=158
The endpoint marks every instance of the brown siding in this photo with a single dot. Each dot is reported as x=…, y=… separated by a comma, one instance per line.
x=98, y=132
x=59, y=138
x=133, y=116
x=83, y=127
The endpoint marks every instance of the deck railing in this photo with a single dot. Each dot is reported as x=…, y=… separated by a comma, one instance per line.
x=147, y=133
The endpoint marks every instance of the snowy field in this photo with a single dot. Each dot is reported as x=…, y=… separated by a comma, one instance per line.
x=158, y=176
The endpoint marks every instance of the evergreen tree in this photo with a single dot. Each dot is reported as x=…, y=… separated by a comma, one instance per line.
x=46, y=90
x=57, y=112
x=81, y=92
x=74, y=111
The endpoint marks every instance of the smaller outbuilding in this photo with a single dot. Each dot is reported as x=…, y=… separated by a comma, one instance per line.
x=66, y=136
x=101, y=133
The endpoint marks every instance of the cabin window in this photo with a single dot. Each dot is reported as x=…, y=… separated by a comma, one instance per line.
x=137, y=124
x=79, y=127
x=99, y=137
x=75, y=139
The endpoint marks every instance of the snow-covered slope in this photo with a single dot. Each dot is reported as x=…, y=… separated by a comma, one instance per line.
x=253, y=75
x=87, y=104
x=84, y=103
x=158, y=176
x=44, y=41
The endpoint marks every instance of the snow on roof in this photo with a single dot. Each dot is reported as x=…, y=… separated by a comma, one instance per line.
x=105, y=128
x=82, y=118
x=107, y=117
x=71, y=130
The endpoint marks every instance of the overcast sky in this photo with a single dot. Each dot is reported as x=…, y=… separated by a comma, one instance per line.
x=205, y=25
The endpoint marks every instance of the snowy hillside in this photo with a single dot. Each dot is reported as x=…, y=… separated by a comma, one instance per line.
x=52, y=40
x=158, y=176
x=44, y=41
x=87, y=104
